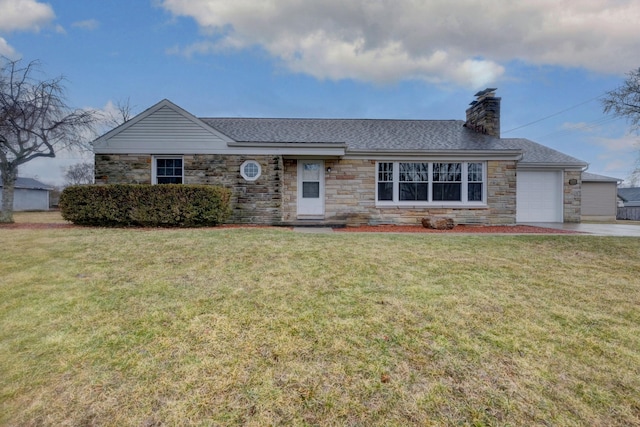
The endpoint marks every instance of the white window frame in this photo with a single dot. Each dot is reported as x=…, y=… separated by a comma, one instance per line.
x=154, y=167
x=396, y=202
x=244, y=174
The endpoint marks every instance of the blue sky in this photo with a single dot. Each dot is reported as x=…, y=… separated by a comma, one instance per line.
x=355, y=59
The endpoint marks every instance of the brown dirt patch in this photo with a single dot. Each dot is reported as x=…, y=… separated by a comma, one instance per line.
x=35, y=226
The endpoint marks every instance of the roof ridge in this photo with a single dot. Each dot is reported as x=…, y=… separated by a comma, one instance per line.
x=330, y=119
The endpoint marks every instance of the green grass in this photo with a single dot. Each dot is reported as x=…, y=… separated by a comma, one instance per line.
x=269, y=327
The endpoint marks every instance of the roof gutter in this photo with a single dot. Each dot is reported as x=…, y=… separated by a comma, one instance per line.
x=315, y=145
x=577, y=166
x=448, y=154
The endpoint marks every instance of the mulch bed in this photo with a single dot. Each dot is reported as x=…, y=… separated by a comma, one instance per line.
x=494, y=229
x=470, y=229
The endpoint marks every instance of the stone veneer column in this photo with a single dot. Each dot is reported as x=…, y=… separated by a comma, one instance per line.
x=572, y=196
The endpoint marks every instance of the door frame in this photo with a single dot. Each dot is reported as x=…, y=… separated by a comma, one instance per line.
x=316, y=210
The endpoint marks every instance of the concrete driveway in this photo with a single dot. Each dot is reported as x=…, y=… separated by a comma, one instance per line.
x=618, y=229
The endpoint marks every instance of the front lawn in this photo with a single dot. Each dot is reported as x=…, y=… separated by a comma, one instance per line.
x=270, y=327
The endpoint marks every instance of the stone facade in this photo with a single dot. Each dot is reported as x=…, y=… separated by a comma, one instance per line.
x=350, y=197
x=253, y=202
x=572, y=197
x=123, y=169
x=349, y=190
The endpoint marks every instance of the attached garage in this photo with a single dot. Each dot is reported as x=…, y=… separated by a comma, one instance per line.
x=599, y=197
x=539, y=196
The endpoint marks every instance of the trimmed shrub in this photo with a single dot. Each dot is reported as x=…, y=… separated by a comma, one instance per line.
x=167, y=205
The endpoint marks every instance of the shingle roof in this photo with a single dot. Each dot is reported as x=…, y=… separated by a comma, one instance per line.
x=29, y=183
x=631, y=194
x=383, y=135
x=360, y=134
x=592, y=177
x=534, y=153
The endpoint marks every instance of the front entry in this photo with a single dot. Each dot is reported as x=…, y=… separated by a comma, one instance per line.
x=311, y=189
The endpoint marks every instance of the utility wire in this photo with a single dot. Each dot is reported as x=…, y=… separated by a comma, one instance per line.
x=584, y=127
x=554, y=114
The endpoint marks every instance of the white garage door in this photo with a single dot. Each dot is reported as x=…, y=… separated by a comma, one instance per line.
x=539, y=197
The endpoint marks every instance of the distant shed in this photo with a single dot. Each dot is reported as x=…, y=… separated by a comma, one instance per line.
x=29, y=195
x=630, y=197
x=599, y=197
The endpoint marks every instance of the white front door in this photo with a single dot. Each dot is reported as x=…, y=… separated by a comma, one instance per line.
x=310, y=188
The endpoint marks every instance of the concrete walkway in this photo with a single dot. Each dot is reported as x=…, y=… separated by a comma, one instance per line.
x=630, y=230
x=313, y=230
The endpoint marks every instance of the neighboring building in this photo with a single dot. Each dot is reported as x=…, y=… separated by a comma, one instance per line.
x=599, y=197
x=629, y=196
x=350, y=171
x=29, y=195
x=630, y=203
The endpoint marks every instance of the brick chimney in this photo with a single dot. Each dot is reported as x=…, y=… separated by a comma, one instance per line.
x=483, y=115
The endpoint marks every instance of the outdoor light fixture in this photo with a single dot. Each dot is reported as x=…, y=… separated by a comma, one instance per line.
x=573, y=181
x=328, y=170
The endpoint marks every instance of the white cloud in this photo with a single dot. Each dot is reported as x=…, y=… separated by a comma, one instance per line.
x=6, y=50
x=24, y=15
x=463, y=41
x=87, y=24
x=580, y=126
x=627, y=143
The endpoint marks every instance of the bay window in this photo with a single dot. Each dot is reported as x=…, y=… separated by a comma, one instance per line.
x=430, y=183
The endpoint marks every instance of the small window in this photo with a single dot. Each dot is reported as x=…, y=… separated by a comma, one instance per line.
x=474, y=180
x=168, y=170
x=250, y=170
x=385, y=181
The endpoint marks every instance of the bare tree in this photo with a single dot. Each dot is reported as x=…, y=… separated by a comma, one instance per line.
x=35, y=121
x=79, y=174
x=625, y=100
x=123, y=112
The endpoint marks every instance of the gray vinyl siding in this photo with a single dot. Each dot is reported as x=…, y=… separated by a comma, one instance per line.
x=599, y=199
x=165, y=129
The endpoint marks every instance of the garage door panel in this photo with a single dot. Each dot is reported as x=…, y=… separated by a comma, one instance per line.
x=539, y=197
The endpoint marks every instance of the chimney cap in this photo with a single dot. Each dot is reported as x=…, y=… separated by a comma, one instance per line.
x=486, y=91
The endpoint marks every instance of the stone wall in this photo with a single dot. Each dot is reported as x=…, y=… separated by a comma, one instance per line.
x=349, y=190
x=350, y=197
x=123, y=169
x=572, y=196
x=253, y=202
